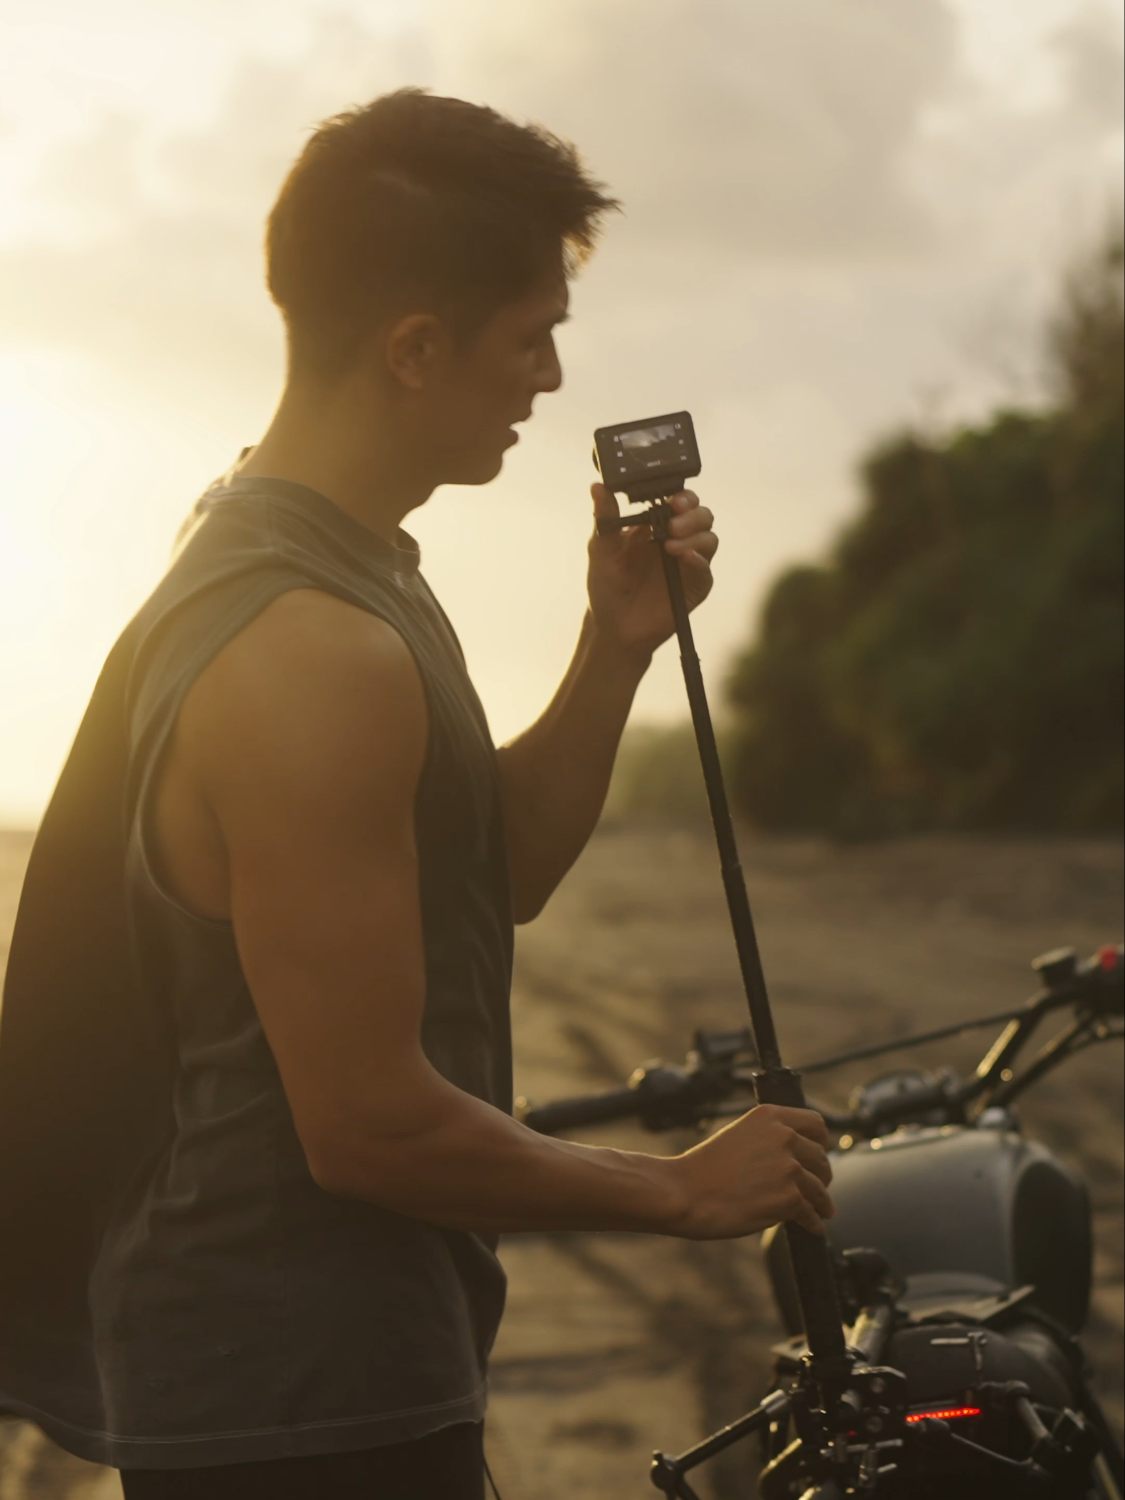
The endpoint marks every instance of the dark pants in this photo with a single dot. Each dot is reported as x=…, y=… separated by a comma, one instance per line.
x=446, y=1465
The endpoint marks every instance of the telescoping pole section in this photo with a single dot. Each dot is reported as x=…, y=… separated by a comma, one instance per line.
x=774, y=1083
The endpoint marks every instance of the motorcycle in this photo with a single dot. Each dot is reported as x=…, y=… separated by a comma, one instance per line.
x=962, y=1256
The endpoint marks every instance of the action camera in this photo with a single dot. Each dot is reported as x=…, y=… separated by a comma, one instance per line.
x=650, y=459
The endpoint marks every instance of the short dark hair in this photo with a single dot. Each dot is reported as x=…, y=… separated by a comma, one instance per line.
x=416, y=198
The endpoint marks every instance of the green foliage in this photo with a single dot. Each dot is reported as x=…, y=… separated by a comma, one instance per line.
x=957, y=660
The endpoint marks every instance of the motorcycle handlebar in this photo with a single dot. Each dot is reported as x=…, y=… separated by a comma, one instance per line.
x=625, y=1104
x=591, y=1109
x=664, y=1097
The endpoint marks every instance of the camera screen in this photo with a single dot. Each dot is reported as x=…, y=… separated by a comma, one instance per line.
x=666, y=447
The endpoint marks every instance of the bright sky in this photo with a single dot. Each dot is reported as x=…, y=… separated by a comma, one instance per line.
x=840, y=218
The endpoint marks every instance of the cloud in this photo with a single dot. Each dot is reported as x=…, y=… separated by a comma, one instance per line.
x=791, y=169
x=160, y=264
x=1090, y=53
x=732, y=129
x=740, y=133
x=765, y=127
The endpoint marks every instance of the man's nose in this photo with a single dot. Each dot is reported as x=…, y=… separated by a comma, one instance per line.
x=549, y=376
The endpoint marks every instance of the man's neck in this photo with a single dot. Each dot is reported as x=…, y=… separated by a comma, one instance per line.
x=318, y=442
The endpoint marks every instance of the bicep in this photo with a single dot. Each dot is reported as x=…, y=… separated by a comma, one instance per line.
x=330, y=941
x=312, y=733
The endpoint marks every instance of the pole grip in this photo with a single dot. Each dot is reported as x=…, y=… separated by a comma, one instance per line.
x=810, y=1253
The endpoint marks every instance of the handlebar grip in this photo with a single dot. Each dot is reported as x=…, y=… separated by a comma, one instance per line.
x=591, y=1109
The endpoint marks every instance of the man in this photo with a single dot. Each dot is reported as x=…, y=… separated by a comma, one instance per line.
x=281, y=870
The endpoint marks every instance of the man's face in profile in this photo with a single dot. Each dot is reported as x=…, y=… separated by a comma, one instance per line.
x=492, y=380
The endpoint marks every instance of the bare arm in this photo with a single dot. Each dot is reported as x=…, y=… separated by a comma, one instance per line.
x=306, y=737
x=556, y=775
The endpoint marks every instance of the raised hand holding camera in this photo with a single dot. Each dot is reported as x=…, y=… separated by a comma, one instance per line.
x=648, y=460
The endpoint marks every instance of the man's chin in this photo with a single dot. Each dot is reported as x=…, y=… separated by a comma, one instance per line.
x=482, y=472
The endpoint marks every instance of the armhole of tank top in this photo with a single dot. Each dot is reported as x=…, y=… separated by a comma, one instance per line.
x=139, y=833
x=139, y=829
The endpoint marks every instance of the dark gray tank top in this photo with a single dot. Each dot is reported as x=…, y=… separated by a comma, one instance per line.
x=237, y=1311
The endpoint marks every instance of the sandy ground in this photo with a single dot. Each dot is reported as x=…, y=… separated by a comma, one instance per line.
x=616, y=1344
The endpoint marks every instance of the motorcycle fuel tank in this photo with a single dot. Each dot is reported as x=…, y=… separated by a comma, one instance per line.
x=959, y=1210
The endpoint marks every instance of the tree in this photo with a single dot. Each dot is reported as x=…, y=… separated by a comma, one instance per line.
x=957, y=659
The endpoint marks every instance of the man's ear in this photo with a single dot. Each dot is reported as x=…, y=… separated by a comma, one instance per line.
x=415, y=347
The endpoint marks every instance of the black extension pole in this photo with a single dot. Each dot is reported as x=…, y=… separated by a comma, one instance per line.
x=734, y=883
x=774, y=1083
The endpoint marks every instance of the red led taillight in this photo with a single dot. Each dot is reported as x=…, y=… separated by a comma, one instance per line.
x=951, y=1414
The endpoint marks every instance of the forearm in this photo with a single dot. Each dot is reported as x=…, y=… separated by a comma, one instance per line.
x=465, y=1165
x=555, y=776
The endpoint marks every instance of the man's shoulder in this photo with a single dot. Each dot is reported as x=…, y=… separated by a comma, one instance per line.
x=223, y=553
x=234, y=567
x=311, y=681
x=308, y=633
x=247, y=635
